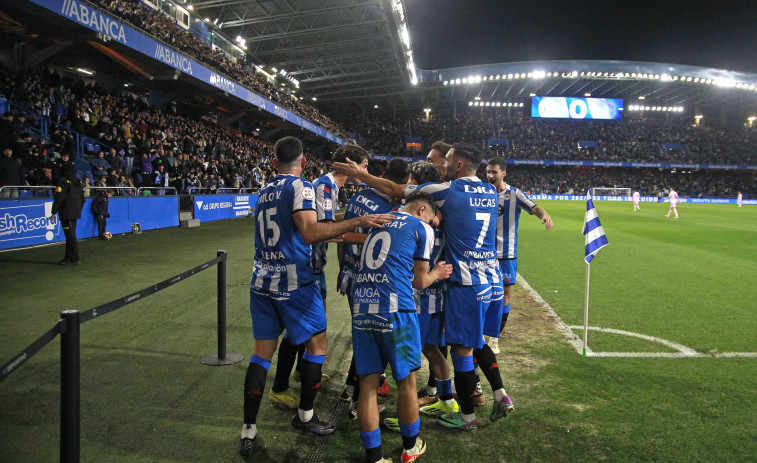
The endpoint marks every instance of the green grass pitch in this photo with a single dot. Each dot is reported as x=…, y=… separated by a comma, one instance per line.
x=147, y=398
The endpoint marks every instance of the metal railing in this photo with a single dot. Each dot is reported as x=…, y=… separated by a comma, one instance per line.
x=7, y=191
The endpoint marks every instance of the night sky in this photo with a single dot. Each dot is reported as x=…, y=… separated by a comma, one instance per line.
x=451, y=33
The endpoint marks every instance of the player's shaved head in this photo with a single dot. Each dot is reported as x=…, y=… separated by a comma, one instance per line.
x=287, y=151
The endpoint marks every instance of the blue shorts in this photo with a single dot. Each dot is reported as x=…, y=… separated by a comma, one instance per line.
x=509, y=269
x=302, y=314
x=321, y=282
x=378, y=339
x=465, y=314
x=432, y=328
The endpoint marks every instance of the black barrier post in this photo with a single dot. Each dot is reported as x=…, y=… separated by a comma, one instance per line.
x=222, y=358
x=70, y=395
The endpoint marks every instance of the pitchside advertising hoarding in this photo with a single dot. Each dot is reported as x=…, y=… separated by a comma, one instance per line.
x=28, y=223
x=95, y=20
x=643, y=199
x=576, y=108
x=219, y=207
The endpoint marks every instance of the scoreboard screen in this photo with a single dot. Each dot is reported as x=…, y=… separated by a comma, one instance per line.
x=576, y=108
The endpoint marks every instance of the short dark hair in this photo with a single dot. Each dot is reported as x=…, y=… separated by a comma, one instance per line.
x=421, y=196
x=352, y=152
x=287, y=150
x=498, y=162
x=441, y=146
x=469, y=152
x=424, y=172
x=396, y=171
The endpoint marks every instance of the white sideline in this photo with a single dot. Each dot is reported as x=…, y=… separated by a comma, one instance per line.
x=575, y=341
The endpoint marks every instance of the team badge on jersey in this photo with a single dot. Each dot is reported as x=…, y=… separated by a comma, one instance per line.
x=308, y=194
x=327, y=204
x=507, y=195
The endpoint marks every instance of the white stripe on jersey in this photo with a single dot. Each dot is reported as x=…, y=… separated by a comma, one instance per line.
x=259, y=280
x=430, y=241
x=465, y=274
x=482, y=275
x=292, y=282
x=300, y=194
x=393, y=306
x=511, y=228
x=495, y=275
x=275, y=282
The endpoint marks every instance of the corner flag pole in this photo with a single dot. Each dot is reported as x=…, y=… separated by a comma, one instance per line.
x=586, y=310
x=595, y=240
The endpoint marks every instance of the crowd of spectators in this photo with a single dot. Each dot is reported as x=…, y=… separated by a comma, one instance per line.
x=161, y=149
x=140, y=146
x=636, y=139
x=166, y=30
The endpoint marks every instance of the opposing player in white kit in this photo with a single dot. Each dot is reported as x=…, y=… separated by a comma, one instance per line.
x=673, y=197
x=635, y=198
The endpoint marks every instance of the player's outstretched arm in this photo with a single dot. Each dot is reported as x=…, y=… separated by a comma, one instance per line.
x=386, y=186
x=422, y=278
x=542, y=214
x=313, y=231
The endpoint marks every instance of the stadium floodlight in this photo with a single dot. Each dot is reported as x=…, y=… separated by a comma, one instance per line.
x=190, y=7
x=375, y=106
x=470, y=103
x=587, y=94
x=477, y=98
x=509, y=76
x=207, y=20
x=499, y=104
x=446, y=82
x=642, y=97
x=574, y=73
x=688, y=79
x=751, y=87
x=633, y=74
x=484, y=78
x=315, y=99
x=85, y=71
x=532, y=94
x=465, y=80
x=457, y=81
x=521, y=105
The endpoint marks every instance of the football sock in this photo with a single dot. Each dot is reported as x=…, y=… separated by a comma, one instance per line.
x=372, y=444
x=351, y=375
x=504, y=319
x=312, y=366
x=499, y=394
x=409, y=434
x=249, y=433
x=487, y=361
x=468, y=417
x=284, y=364
x=465, y=381
x=300, y=351
x=444, y=388
x=254, y=384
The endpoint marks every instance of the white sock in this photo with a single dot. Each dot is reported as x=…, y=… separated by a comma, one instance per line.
x=448, y=402
x=499, y=394
x=431, y=390
x=249, y=433
x=305, y=415
x=468, y=418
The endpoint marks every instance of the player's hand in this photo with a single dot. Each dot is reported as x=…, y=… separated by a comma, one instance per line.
x=443, y=270
x=349, y=168
x=547, y=222
x=375, y=220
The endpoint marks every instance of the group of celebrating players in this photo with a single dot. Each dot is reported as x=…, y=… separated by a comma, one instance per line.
x=428, y=255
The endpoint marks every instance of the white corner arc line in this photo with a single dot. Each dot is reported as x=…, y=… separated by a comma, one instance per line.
x=575, y=341
x=673, y=345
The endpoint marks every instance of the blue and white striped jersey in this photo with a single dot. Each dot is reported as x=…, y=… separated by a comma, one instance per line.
x=469, y=207
x=282, y=259
x=366, y=202
x=383, y=282
x=326, y=201
x=431, y=300
x=511, y=201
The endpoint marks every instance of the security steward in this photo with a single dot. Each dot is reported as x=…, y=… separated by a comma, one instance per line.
x=68, y=202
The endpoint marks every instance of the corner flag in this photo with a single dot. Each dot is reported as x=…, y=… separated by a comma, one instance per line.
x=595, y=234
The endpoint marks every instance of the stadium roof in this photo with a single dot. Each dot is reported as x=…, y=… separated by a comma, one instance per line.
x=352, y=53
